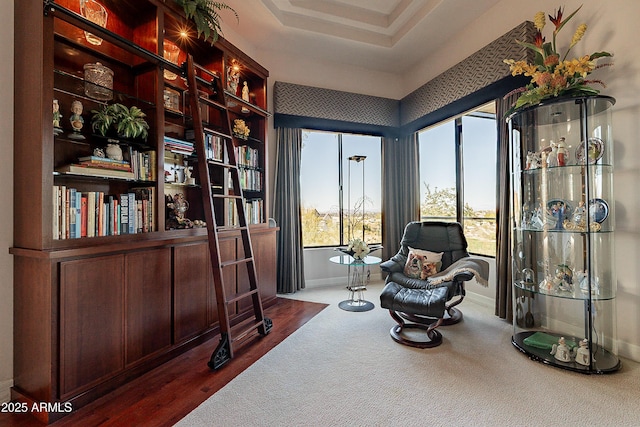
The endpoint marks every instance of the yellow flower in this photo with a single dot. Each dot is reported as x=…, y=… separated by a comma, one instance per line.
x=521, y=67
x=539, y=21
x=578, y=34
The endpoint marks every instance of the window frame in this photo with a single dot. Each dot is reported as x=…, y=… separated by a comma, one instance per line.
x=459, y=163
x=343, y=238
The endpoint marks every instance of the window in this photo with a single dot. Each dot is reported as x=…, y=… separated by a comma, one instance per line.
x=337, y=205
x=458, y=175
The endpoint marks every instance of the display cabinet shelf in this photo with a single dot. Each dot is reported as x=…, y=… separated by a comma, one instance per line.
x=563, y=227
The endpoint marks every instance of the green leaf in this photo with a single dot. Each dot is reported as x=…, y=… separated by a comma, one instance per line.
x=597, y=55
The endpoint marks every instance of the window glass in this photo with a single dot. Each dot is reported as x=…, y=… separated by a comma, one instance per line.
x=479, y=159
x=336, y=203
x=441, y=163
x=438, y=172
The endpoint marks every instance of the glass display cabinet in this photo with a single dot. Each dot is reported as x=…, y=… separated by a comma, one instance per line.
x=563, y=234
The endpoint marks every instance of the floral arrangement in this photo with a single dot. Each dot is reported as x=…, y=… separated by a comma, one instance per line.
x=357, y=248
x=240, y=128
x=553, y=75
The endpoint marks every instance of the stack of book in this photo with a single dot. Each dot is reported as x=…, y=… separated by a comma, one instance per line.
x=101, y=167
x=178, y=146
x=79, y=214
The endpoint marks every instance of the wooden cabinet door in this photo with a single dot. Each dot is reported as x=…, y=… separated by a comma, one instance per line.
x=91, y=321
x=148, y=303
x=264, y=251
x=192, y=289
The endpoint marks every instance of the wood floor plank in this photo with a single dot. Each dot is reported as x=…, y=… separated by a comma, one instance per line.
x=163, y=396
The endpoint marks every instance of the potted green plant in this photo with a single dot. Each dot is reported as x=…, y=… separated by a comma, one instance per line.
x=103, y=120
x=118, y=118
x=131, y=123
x=205, y=14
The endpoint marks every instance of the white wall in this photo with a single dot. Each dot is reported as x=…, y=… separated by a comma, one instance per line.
x=612, y=27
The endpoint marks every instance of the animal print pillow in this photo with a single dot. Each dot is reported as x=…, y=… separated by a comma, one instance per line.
x=422, y=264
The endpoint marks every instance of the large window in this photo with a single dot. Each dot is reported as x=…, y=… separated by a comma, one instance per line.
x=340, y=188
x=458, y=175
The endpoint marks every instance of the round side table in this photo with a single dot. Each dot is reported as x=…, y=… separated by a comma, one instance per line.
x=358, y=280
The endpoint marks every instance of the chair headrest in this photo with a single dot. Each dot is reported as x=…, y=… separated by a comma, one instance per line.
x=436, y=236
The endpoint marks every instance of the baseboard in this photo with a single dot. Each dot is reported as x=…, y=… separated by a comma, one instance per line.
x=629, y=351
x=5, y=390
x=481, y=300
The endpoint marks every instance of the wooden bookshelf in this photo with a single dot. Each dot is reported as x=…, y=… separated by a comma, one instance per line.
x=95, y=309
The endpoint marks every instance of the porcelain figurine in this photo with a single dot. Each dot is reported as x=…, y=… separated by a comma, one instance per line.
x=76, y=120
x=57, y=115
x=561, y=351
x=562, y=153
x=582, y=353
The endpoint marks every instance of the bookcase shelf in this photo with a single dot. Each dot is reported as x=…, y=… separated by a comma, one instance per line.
x=146, y=292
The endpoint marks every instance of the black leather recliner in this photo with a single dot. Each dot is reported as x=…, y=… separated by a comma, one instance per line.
x=431, y=302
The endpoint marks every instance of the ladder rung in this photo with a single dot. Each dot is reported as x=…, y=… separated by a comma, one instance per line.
x=231, y=228
x=240, y=330
x=242, y=296
x=221, y=164
x=211, y=103
x=235, y=262
x=226, y=196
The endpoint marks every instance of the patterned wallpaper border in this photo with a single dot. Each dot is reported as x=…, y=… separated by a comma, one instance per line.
x=468, y=76
x=307, y=101
x=474, y=73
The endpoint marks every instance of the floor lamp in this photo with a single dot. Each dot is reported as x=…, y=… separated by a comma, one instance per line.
x=357, y=159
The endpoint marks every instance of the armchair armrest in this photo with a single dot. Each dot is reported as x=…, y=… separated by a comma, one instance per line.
x=394, y=265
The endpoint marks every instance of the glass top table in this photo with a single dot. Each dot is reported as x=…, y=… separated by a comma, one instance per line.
x=358, y=280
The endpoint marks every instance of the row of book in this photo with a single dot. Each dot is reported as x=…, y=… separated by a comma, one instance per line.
x=79, y=214
x=247, y=156
x=215, y=146
x=135, y=165
x=250, y=179
x=253, y=210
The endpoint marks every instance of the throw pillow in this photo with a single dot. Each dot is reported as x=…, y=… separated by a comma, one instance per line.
x=422, y=264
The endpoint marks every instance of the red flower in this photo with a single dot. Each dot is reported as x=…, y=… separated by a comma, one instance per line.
x=538, y=40
x=557, y=20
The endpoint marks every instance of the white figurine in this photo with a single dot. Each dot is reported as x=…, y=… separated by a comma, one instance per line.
x=188, y=179
x=561, y=351
x=582, y=353
x=552, y=157
x=245, y=92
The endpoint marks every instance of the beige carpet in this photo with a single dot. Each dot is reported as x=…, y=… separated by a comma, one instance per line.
x=343, y=369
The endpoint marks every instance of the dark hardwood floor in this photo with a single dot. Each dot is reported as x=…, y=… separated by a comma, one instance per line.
x=166, y=394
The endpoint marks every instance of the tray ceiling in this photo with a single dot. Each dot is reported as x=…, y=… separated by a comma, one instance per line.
x=385, y=35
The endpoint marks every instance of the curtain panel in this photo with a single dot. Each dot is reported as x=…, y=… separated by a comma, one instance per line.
x=289, y=248
x=400, y=189
x=503, y=303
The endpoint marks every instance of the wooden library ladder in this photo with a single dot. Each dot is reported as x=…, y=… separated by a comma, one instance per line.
x=229, y=334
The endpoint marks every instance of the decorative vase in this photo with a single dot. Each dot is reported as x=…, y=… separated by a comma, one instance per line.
x=114, y=152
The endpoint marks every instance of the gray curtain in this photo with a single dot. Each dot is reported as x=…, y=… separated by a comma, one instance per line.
x=290, y=264
x=400, y=189
x=503, y=303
